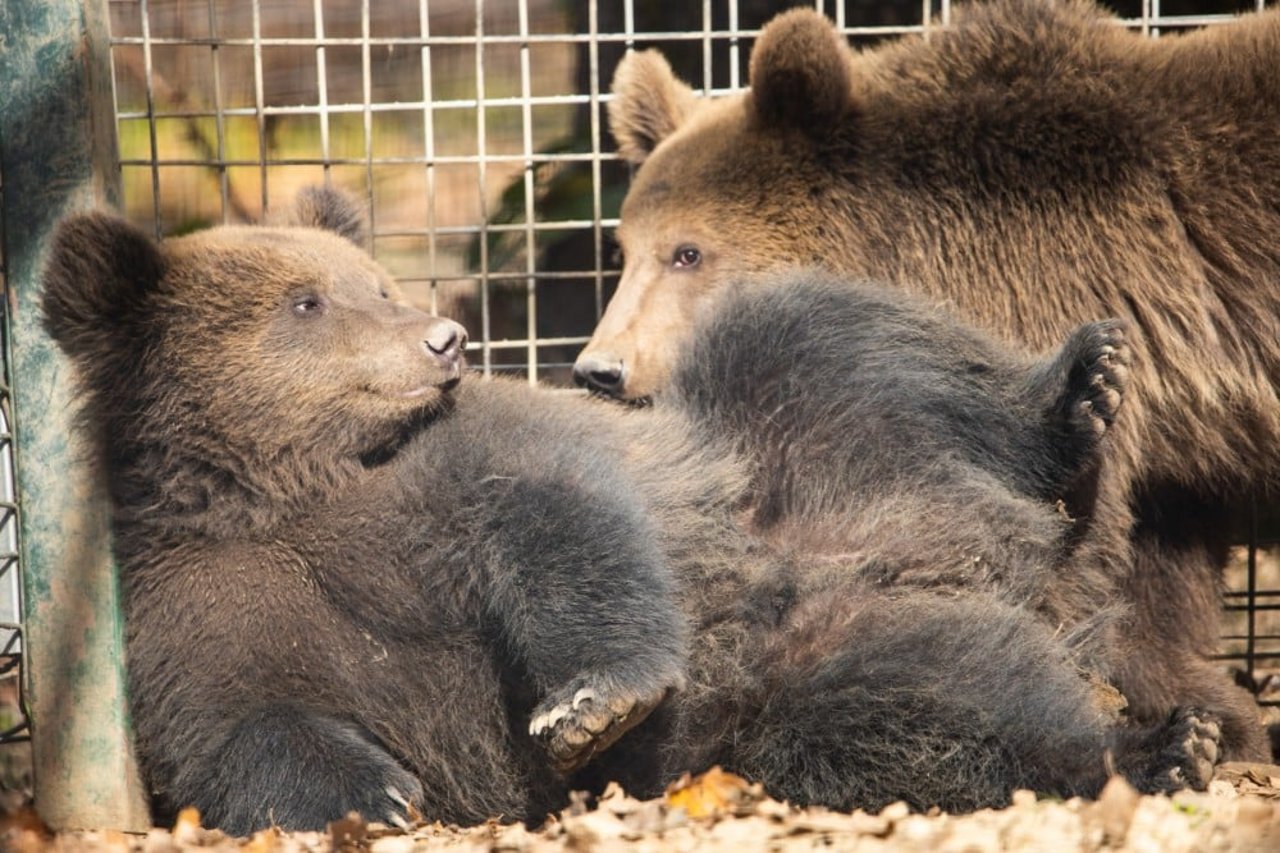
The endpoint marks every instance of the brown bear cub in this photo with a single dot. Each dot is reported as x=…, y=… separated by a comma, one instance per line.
x=344, y=582
x=1037, y=167
x=876, y=425
x=351, y=582
x=931, y=484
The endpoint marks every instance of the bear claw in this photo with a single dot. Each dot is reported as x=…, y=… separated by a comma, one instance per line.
x=1201, y=748
x=396, y=816
x=589, y=721
x=1104, y=361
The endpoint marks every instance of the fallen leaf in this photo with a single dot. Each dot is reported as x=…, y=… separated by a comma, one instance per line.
x=1114, y=809
x=895, y=811
x=114, y=839
x=23, y=840
x=831, y=823
x=186, y=829
x=593, y=828
x=263, y=841
x=348, y=832
x=24, y=820
x=712, y=794
x=616, y=800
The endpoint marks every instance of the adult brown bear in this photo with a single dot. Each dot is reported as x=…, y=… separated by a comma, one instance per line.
x=1036, y=166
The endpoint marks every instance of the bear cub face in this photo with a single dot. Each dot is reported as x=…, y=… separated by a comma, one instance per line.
x=231, y=330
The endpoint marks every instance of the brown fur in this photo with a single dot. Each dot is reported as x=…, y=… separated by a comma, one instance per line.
x=342, y=590
x=1036, y=167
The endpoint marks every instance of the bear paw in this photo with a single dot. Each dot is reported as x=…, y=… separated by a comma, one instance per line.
x=1196, y=742
x=396, y=809
x=253, y=780
x=1096, y=381
x=1181, y=753
x=391, y=796
x=588, y=716
x=380, y=792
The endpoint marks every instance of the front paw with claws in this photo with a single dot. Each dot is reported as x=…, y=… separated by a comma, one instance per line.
x=588, y=716
x=399, y=812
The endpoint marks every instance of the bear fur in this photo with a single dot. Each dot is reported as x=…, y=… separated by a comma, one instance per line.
x=1037, y=167
x=916, y=468
x=886, y=429
x=329, y=605
x=351, y=582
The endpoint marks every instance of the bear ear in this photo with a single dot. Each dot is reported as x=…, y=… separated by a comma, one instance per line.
x=649, y=104
x=99, y=270
x=800, y=75
x=330, y=209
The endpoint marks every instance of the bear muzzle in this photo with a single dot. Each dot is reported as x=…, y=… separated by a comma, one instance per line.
x=601, y=373
x=445, y=342
x=442, y=342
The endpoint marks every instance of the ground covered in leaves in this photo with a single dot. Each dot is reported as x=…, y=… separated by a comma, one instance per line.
x=719, y=811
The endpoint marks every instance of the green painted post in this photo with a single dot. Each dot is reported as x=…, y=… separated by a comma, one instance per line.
x=58, y=155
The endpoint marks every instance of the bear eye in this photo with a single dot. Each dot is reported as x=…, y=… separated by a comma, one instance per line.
x=310, y=305
x=686, y=257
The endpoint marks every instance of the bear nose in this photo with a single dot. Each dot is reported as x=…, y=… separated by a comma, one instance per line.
x=446, y=339
x=601, y=374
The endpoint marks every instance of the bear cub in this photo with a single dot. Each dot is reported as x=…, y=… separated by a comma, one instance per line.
x=876, y=424
x=930, y=484
x=343, y=588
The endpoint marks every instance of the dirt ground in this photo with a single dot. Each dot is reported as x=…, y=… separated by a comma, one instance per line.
x=721, y=812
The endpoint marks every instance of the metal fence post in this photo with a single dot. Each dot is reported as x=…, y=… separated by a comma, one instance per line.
x=58, y=154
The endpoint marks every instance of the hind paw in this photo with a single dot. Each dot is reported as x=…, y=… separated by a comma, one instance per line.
x=1180, y=753
x=1098, y=377
x=1196, y=744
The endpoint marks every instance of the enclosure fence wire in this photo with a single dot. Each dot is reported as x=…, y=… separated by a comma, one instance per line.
x=475, y=134
x=13, y=719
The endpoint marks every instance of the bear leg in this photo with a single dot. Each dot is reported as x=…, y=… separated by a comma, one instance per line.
x=1097, y=360
x=953, y=702
x=286, y=766
x=1174, y=586
x=1187, y=677
x=583, y=596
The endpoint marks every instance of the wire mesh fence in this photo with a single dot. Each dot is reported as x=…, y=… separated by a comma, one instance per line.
x=1251, y=617
x=14, y=725
x=475, y=133
x=474, y=130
